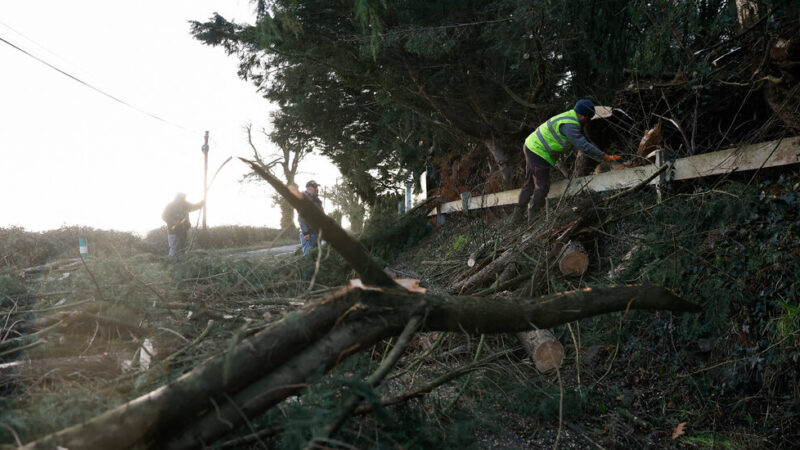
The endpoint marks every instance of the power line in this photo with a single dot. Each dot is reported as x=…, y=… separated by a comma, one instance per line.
x=42, y=47
x=123, y=102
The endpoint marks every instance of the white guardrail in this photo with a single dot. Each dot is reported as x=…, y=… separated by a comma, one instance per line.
x=765, y=154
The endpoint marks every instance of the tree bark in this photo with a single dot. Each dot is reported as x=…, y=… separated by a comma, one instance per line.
x=288, y=380
x=747, y=12
x=501, y=157
x=287, y=215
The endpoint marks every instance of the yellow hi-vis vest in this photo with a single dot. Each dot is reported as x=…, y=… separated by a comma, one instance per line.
x=547, y=141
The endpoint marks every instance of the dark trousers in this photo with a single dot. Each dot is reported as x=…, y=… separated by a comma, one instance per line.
x=537, y=181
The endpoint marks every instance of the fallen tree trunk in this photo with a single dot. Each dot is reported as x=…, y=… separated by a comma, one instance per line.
x=484, y=275
x=328, y=326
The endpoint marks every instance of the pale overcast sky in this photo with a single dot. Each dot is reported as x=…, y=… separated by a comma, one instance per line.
x=72, y=156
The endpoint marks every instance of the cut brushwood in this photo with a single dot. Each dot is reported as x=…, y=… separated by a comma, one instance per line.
x=491, y=270
x=322, y=335
x=481, y=253
x=264, y=369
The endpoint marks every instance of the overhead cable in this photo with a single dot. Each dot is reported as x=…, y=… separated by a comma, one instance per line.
x=42, y=47
x=96, y=89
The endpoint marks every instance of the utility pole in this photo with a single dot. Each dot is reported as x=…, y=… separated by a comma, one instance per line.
x=205, y=180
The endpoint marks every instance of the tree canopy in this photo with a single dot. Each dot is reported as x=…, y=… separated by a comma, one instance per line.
x=381, y=87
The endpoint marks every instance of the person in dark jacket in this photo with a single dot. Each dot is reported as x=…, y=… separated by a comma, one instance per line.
x=543, y=147
x=176, y=216
x=309, y=236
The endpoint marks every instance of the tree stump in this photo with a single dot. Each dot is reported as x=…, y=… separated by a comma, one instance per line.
x=573, y=260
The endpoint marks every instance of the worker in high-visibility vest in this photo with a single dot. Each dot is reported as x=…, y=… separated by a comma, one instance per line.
x=543, y=147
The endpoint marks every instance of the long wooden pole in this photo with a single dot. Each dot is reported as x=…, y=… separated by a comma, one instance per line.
x=205, y=180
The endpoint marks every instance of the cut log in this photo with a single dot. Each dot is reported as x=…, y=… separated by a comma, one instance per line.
x=747, y=12
x=544, y=349
x=573, y=260
x=44, y=268
x=480, y=253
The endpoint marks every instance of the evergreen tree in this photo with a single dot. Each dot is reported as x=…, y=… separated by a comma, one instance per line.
x=370, y=80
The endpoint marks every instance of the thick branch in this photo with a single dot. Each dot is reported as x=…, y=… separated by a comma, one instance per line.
x=378, y=314
x=350, y=249
x=288, y=380
x=505, y=315
x=158, y=412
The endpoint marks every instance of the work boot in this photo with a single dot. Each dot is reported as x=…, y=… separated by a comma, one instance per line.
x=517, y=218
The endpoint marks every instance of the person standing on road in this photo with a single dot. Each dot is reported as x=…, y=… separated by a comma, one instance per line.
x=176, y=215
x=543, y=147
x=309, y=236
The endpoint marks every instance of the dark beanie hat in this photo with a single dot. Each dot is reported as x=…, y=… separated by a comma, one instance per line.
x=585, y=108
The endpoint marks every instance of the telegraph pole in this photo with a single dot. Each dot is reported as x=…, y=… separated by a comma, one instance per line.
x=205, y=179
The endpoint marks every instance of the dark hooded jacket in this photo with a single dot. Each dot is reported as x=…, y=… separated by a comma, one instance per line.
x=305, y=228
x=176, y=215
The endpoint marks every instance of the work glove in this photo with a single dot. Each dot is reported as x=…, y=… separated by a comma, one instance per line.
x=607, y=157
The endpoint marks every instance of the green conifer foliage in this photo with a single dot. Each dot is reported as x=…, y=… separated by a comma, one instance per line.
x=371, y=79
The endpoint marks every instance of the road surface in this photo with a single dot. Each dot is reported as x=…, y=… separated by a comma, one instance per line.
x=274, y=250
